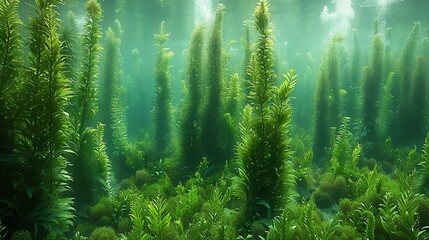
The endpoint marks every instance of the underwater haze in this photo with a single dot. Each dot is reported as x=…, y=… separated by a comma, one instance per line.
x=214, y=119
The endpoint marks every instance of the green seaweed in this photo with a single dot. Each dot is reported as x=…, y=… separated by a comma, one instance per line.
x=162, y=109
x=212, y=123
x=189, y=131
x=266, y=180
x=42, y=131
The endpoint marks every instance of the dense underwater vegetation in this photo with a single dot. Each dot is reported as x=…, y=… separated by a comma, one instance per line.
x=105, y=134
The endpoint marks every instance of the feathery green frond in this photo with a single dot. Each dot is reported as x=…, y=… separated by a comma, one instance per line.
x=212, y=126
x=190, y=152
x=162, y=109
x=42, y=131
x=266, y=179
x=10, y=47
x=158, y=219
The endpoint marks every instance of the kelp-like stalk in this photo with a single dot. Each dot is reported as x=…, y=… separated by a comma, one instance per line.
x=418, y=102
x=266, y=179
x=189, y=137
x=111, y=104
x=43, y=180
x=10, y=68
x=326, y=101
x=333, y=76
x=372, y=80
x=162, y=109
x=86, y=180
x=247, y=48
x=402, y=86
x=352, y=85
x=86, y=89
x=212, y=119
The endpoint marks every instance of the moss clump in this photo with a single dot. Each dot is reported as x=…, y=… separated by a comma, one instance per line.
x=142, y=177
x=103, y=233
x=102, y=213
x=125, y=225
x=322, y=199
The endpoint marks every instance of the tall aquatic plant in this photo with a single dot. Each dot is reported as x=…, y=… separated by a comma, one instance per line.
x=333, y=76
x=87, y=183
x=212, y=118
x=265, y=181
x=402, y=86
x=190, y=152
x=10, y=68
x=418, y=102
x=247, y=48
x=162, y=109
x=352, y=85
x=326, y=100
x=70, y=50
x=372, y=80
x=42, y=132
x=112, y=112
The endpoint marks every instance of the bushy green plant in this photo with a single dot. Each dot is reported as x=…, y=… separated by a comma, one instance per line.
x=42, y=131
x=138, y=220
x=400, y=220
x=102, y=213
x=158, y=220
x=103, y=233
x=344, y=157
x=162, y=109
x=266, y=180
x=283, y=228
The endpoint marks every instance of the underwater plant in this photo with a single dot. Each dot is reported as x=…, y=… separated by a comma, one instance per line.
x=10, y=68
x=321, y=117
x=69, y=36
x=326, y=100
x=212, y=116
x=333, y=76
x=43, y=180
x=351, y=86
x=386, y=107
x=112, y=111
x=266, y=180
x=158, y=220
x=162, y=109
x=282, y=228
x=189, y=137
x=247, y=48
x=402, y=85
x=417, y=127
x=88, y=160
x=372, y=79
